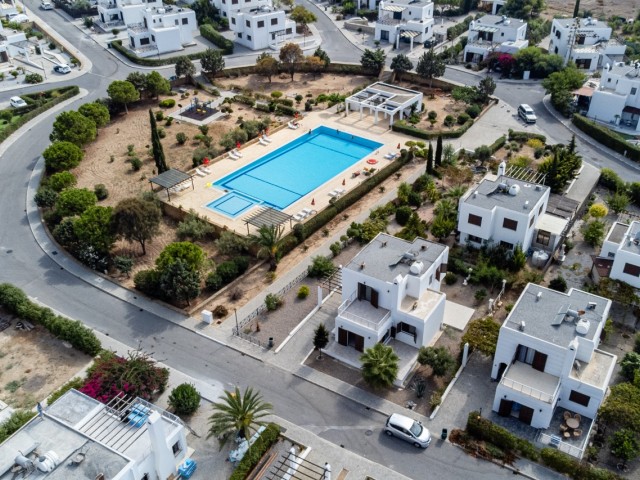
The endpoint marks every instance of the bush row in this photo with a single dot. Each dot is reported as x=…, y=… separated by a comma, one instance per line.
x=14, y=423
x=483, y=429
x=606, y=137
x=244, y=99
x=210, y=33
x=402, y=127
x=66, y=93
x=459, y=29
x=262, y=444
x=79, y=336
x=498, y=144
x=226, y=272
x=563, y=463
x=150, y=62
x=286, y=110
x=524, y=136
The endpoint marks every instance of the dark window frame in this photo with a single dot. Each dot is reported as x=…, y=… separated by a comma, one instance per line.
x=474, y=220
x=543, y=238
x=510, y=224
x=631, y=269
x=260, y=23
x=579, y=398
x=274, y=21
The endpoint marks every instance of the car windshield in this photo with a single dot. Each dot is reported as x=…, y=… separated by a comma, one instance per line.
x=416, y=429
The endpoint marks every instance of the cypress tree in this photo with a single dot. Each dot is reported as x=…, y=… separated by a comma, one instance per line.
x=158, y=152
x=430, y=159
x=576, y=9
x=439, y=151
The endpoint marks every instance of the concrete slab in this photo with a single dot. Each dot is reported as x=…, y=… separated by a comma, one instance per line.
x=457, y=316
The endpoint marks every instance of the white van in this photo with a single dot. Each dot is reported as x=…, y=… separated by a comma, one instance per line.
x=526, y=113
x=45, y=5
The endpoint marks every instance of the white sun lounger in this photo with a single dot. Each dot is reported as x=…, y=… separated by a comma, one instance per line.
x=333, y=194
x=233, y=156
x=309, y=211
x=298, y=217
x=262, y=142
x=236, y=152
x=340, y=191
x=266, y=139
x=205, y=170
x=200, y=173
x=390, y=156
x=292, y=126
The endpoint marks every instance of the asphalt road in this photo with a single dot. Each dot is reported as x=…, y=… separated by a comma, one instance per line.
x=327, y=414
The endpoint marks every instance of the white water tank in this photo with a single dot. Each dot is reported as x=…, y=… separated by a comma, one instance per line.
x=514, y=190
x=47, y=462
x=582, y=327
x=416, y=268
x=162, y=11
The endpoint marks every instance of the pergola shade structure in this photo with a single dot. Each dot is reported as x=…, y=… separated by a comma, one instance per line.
x=172, y=180
x=267, y=216
x=392, y=101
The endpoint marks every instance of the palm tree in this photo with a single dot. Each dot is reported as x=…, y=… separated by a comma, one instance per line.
x=270, y=241
x=456, y=192
x=379, y=366
x=446, y=209
x=237, y=413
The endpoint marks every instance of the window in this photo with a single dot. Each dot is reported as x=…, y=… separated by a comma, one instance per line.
x=144, y=41
x=611, y=254
x=430, y=279
x=475, y=220
x=288, y=31
x=185, y=21
x=579, y=398
x=507, y=245
x=634, y=90
x=274, y=21
x=175, y=21
x=153, y=38
x=176, y=448
x=531, y=221
x=502, y=34
x=543, y=238
x=260, y=23
x=631, y=269
x=248, y=23
x=540, y=210
x=555, y=50
x=473, y=238
x=509, y=224
x=234, y=2
x=239, y=35
x=233, y=21
x=249, y=37
x=406, y=328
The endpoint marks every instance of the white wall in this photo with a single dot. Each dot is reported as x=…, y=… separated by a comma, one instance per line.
x=623, y=257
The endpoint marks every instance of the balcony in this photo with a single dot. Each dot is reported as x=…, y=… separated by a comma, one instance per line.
x=363, y=313
x=523, y=378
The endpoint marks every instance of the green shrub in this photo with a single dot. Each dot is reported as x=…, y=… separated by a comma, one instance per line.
x=101, y=191
x=303, y=292
x=227, y=271
x=136, y=164
x=241, y=263
x=336, y=248
x=193, y=227
x=473, y=110
x=285, y=110
x=33, y=78
x=449, y=120
x=208, y=32
x=14, y=423
x=244, y=99
x=147, y=281
x=184, y=399
x=462, y=119
x=167, y=103
x=61, y=180
x=607, y=137
x=525, y=136
x=611, y=180
x=45, y=197
x=220, y=311
x=181, y=138
x=168, y=122
x=321, y=266
x=256, y=451
x=450, y=278
x=76, y=383
x=560, y=462
x=273, y=301
x=276, y=94
x=403, y=214
x=214, y=282
x=159, y=115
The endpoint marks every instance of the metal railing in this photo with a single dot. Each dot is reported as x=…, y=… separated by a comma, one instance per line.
x=527, y=390
x=556, y=441
x=262, y=308
x=342, y=312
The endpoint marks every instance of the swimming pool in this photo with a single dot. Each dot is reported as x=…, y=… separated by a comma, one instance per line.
x=290, y=172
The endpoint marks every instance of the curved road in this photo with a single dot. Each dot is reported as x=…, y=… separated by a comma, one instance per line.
x=23, y=263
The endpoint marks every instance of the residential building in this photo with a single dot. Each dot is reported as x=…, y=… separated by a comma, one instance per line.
x=584, y=41
x=390, y=101
x=229, y=7
x=620, y=254
x=494, y=33
x=409, y=20
x=12, y=43
x=493, y=6
x=617, y=98
x=261, y=27
x=152, y=27
x=547, y=356
x=502, y=210
x=391, y=289
x=79, y=438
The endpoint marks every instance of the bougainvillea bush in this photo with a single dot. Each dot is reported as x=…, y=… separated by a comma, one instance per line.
x=137, y=375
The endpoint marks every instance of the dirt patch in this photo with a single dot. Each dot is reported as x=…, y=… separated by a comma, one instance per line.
x=598, y=8
x=26, y=360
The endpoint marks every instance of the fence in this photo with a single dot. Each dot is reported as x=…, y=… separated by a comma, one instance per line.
x=262, y=308
x=556, y=441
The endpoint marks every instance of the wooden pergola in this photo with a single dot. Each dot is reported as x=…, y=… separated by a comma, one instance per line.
x=171, y=179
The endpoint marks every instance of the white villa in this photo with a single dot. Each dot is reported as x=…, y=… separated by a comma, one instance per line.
x=81, y=438
x=390, y=101
x=12, y=43
x=411, y=20
x=617, y=98
x=505, y=211
x=585, y=42
x=547, y=356
x=619, y=257
x=152, y=27
x=493, y=33
x=262, y=27
x=391, y=289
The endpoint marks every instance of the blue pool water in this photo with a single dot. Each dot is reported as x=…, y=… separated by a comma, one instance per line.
x=290, y=172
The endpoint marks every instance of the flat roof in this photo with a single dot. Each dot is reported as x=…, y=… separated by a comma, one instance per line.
x=386, y=256
x=632, y=246
x=499, y=20
x=545, y=317
x=489, y=195
x=598, y=371
x=617, y=232
x=551, y=223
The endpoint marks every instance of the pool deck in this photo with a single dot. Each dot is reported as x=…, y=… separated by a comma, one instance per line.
x=201, y=195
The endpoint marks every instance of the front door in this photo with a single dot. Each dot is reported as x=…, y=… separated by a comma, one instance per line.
x=526, y=414
x=384, y=35
x=359, y=342
x=343, y=336
x=539, y=361
x=505, y=408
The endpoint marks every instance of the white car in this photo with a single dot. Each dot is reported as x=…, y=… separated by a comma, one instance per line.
x=19, y=18
x=62, y=68
x=526, y=113
x=408, y=430
x=17, y=102
x=45, y=5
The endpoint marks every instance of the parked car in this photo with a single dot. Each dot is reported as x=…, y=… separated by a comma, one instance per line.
x=62, y=68
x=46, y=5
x=430, y=43
x=526, y=113
x=408, y=430
x=17, y=102
x=19, y=18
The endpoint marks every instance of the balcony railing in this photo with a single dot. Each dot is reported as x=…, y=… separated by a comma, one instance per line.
x=342, y=312
x=556, y=441
x=528, y=390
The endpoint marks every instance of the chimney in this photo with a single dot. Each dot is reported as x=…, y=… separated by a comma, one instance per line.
x=163, y=458
x=502, y=169
x=522, y=325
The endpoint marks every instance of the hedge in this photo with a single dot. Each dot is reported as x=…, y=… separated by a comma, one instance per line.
x=80, y=337
x=69, y=92
x=563, y=463
x=244, y=99
x=262, y=444
x=498, y=144
x=210, y=33
x=459, y=29
x=14, y=423
x=403, y=127
x=524, y=136
x=484, y=429
x=151, y=62
x=286, y=110
x=606, y=137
